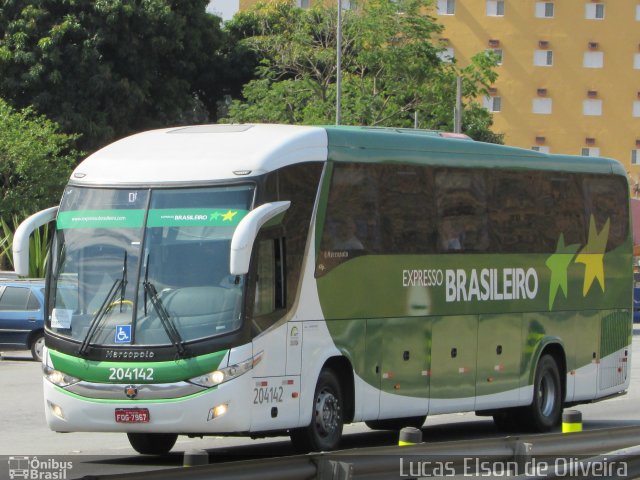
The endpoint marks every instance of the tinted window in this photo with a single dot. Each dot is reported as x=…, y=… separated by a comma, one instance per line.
x=563, y=209
x=14, y=298
x=462, y=210
x=514, y=206
x=298, y=184
x=401, y=209
x=605, y=199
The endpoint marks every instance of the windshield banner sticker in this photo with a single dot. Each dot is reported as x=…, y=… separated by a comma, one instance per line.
x=100, y=219
x=195, y=217
x=175, y=217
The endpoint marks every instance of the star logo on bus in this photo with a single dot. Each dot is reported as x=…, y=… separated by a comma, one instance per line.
x=558, y=263
x=214, y=216
x=592, y=255
x=229, y=216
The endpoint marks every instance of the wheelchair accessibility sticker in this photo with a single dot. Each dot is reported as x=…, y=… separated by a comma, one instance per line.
x=123, y=334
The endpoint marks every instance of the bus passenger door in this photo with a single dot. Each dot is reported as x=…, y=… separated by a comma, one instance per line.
x=276, y=378
x=499, y=357
x=406, y=345
x=453, y=363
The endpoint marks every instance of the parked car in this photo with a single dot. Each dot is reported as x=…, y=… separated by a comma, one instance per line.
x=22, y=316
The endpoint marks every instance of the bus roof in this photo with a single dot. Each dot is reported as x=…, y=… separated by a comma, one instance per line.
x=201, y=153
x=206, y=153
x=363, y=144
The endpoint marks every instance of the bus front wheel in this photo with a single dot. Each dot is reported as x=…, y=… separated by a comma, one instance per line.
x=325, y=429
x=546, y=409
x=152, y=443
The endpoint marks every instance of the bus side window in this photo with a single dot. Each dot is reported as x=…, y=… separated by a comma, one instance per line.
x=604, y=197
x=462, y=210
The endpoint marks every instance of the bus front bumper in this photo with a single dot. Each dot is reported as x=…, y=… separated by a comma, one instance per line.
x=222, y=409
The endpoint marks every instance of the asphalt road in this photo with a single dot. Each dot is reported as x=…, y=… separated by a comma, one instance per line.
x=23, y=431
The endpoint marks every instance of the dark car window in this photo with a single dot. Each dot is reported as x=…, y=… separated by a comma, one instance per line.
x=14, y=298
x=32, y=303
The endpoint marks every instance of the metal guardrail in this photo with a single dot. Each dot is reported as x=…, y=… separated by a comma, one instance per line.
x=423, y=459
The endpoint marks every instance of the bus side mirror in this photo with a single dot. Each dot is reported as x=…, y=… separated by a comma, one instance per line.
x=21, y=238
x=246, y=233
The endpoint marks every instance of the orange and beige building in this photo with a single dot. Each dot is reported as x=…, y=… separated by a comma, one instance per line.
x=569, y=75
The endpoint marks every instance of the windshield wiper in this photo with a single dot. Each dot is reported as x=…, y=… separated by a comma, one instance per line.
x=95, y=322
x=168, y=325
x=165, y=319
x=120, y=283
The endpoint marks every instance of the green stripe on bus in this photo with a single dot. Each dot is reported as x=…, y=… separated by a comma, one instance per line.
x=100, y=219
x=116, y=372
x=195, y=217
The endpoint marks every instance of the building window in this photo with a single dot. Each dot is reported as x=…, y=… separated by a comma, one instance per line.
x=541, y=148
x=543, y=58
x=636, y=61
x=493, y=104
x=544, y=9
x=590, y=152
x=636, y=108
x=594, y=11
x=497, y=52
x=635, y=156
x=638, y=12
x=446, y=55
x=446, y=7
x=592, y=108
x=593, y=60
x=495, y=8
x=542, y=106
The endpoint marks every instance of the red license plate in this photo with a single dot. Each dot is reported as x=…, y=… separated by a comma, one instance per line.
x=132, y=415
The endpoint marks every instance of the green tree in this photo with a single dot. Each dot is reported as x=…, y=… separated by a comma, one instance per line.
x=35, y=163
x=104, y=68
x=391, y=68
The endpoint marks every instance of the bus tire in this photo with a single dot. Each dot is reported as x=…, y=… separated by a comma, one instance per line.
x=396, y=423
x=152, y=443
x=545, y=411
x=325, y=430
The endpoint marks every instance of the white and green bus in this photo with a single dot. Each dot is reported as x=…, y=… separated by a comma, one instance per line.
x=266, y=279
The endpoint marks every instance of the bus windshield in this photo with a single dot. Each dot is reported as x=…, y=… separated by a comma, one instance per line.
x=146, y=267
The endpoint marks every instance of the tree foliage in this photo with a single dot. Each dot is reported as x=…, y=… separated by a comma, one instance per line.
x=104, y=68
x=35, y=162
x=391, y=68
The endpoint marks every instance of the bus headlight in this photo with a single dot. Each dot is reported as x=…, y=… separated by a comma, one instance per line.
x=58, y=378
x=225, y=374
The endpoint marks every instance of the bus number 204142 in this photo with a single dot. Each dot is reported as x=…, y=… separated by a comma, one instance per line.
x=131, y=374
x=267, y=395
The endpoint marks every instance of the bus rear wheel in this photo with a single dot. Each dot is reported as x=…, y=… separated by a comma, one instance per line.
x=545, y=411
x=325, y=429
x=396, y=423
x=152, y=443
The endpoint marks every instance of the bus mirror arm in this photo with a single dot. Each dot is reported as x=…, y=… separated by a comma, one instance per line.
x=21, y=238
x=246, y=233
